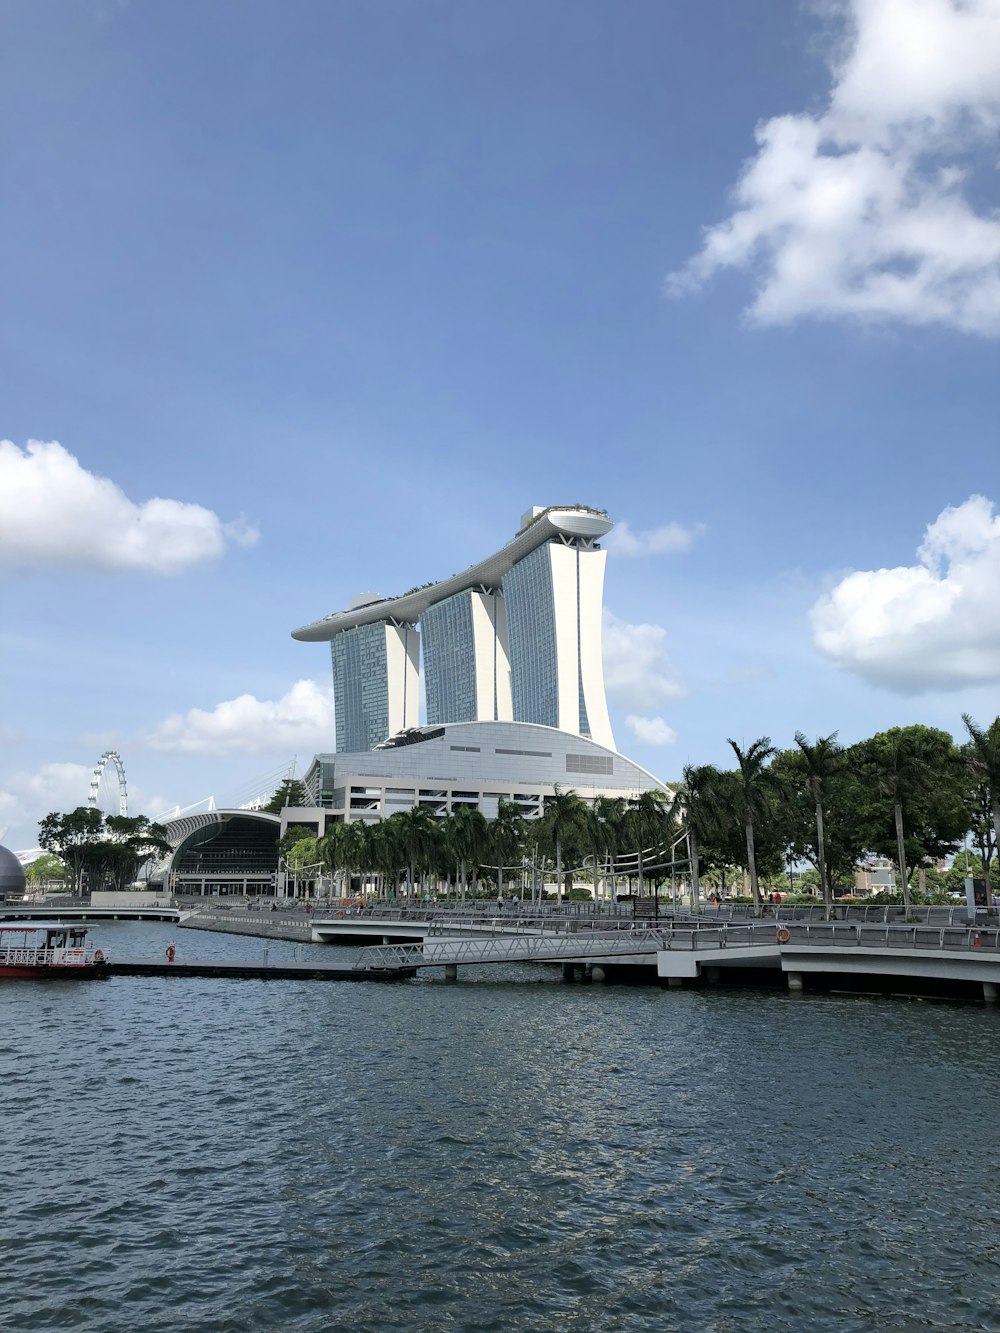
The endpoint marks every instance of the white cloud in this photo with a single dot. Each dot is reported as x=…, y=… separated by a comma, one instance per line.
x=650, y=730
x=54, y=512
x=25, y=798
x=621, y=540
x=637, y=671
x=301, y=720
x=28, y=797
x=865, y=210
x=932, y=625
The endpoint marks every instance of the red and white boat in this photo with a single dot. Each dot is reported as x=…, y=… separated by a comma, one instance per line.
x=43, y=949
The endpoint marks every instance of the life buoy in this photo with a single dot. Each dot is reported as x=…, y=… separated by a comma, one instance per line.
x=98, y=955
x=171, y=952
x=784, y=935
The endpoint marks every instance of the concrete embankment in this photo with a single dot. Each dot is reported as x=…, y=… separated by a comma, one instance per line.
x=286, y=928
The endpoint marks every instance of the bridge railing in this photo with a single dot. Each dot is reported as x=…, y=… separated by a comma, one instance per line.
x=507, y=949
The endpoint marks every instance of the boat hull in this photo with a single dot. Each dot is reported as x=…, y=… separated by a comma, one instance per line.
x=53, y=971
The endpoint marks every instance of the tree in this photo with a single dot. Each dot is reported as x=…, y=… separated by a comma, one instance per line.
x=695, y=804
x=466, y=838
x=506, y=838
x=111, y=848
x=604, y=825
x=129, y=842
x=648, y=823
x=818, y=766
x=289, y=792
x=45, y=869
x=917, y=806
x=756, y=788
x=563, y=827
x=292, y=835
x=334, y=850
x=416, y=834
x=984, y=763
x=72, y=837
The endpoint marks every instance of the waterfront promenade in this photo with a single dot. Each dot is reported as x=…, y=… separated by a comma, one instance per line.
x=936, y=951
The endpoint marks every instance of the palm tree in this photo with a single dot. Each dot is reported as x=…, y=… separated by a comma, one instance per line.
x=506, y=838
x=335, y=851
x=466, y=836
x=755, y=786
x=416, y=832
x=563, y=826
x=647, y=823
x=694, y=804
x=903, y=768
x=985, y=763
x=817, y=764
x=604, y=825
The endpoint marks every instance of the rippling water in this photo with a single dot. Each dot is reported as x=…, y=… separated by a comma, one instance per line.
x=505, y=1153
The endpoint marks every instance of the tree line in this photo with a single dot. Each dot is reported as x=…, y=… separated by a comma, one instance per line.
x=101, y=851
x=909, y=794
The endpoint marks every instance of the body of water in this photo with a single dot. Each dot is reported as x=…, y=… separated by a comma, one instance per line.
x=508, y=1152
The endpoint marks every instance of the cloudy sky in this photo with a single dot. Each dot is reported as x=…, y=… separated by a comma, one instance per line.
x=305, y=299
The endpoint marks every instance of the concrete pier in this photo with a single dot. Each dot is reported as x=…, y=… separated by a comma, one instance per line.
x=794, y=980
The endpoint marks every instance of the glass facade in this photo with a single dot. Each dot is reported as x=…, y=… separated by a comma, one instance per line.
x=584, y=720
x=235, y=846
x=531, y=635
x=449, y=660
x=360, y=687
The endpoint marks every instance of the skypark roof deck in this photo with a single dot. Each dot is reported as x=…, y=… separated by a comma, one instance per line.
x=570, y=523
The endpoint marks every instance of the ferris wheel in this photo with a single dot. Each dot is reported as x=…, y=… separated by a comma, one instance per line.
x=107, y=785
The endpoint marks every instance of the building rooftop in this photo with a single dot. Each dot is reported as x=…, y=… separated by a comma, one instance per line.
x=570, y=521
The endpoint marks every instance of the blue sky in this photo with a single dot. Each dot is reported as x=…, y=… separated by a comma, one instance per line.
x=353, y=285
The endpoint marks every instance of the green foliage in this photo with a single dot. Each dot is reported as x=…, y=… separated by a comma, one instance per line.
x=110, y=850
x=304, y=852
x=295, y=833
x=289, y=792
x=45, y=869
x=916, y=796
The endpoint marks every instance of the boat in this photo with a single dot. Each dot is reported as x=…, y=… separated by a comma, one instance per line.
x=48, y=949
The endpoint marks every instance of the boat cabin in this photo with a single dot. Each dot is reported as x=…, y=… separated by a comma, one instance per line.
x=49, y=942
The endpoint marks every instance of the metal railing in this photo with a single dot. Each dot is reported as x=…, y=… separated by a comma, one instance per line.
x=831, y=934
x=27, y=957
x=507, y=949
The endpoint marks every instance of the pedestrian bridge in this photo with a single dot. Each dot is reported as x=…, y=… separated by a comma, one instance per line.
x=686, y=953
x=622, y=947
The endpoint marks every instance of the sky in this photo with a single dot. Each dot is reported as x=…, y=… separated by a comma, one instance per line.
x=302, y=299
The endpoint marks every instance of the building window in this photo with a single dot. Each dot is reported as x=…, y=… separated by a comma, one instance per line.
x=590, y=763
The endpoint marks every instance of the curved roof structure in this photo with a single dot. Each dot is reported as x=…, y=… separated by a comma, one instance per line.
x=472, y=754
x=573, y=521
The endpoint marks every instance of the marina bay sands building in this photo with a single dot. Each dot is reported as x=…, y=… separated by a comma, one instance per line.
x=514, y=638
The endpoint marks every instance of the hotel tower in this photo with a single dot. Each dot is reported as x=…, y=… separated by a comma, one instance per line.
x=515, y=638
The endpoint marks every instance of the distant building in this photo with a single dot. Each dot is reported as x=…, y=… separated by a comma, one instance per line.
x=877, y=876
x=514, y=638
x=12, y=878
x=476, y=764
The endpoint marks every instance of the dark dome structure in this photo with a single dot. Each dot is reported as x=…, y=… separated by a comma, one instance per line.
x=11, y=875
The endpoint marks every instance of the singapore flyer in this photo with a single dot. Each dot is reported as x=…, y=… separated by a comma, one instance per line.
x=108, y=791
